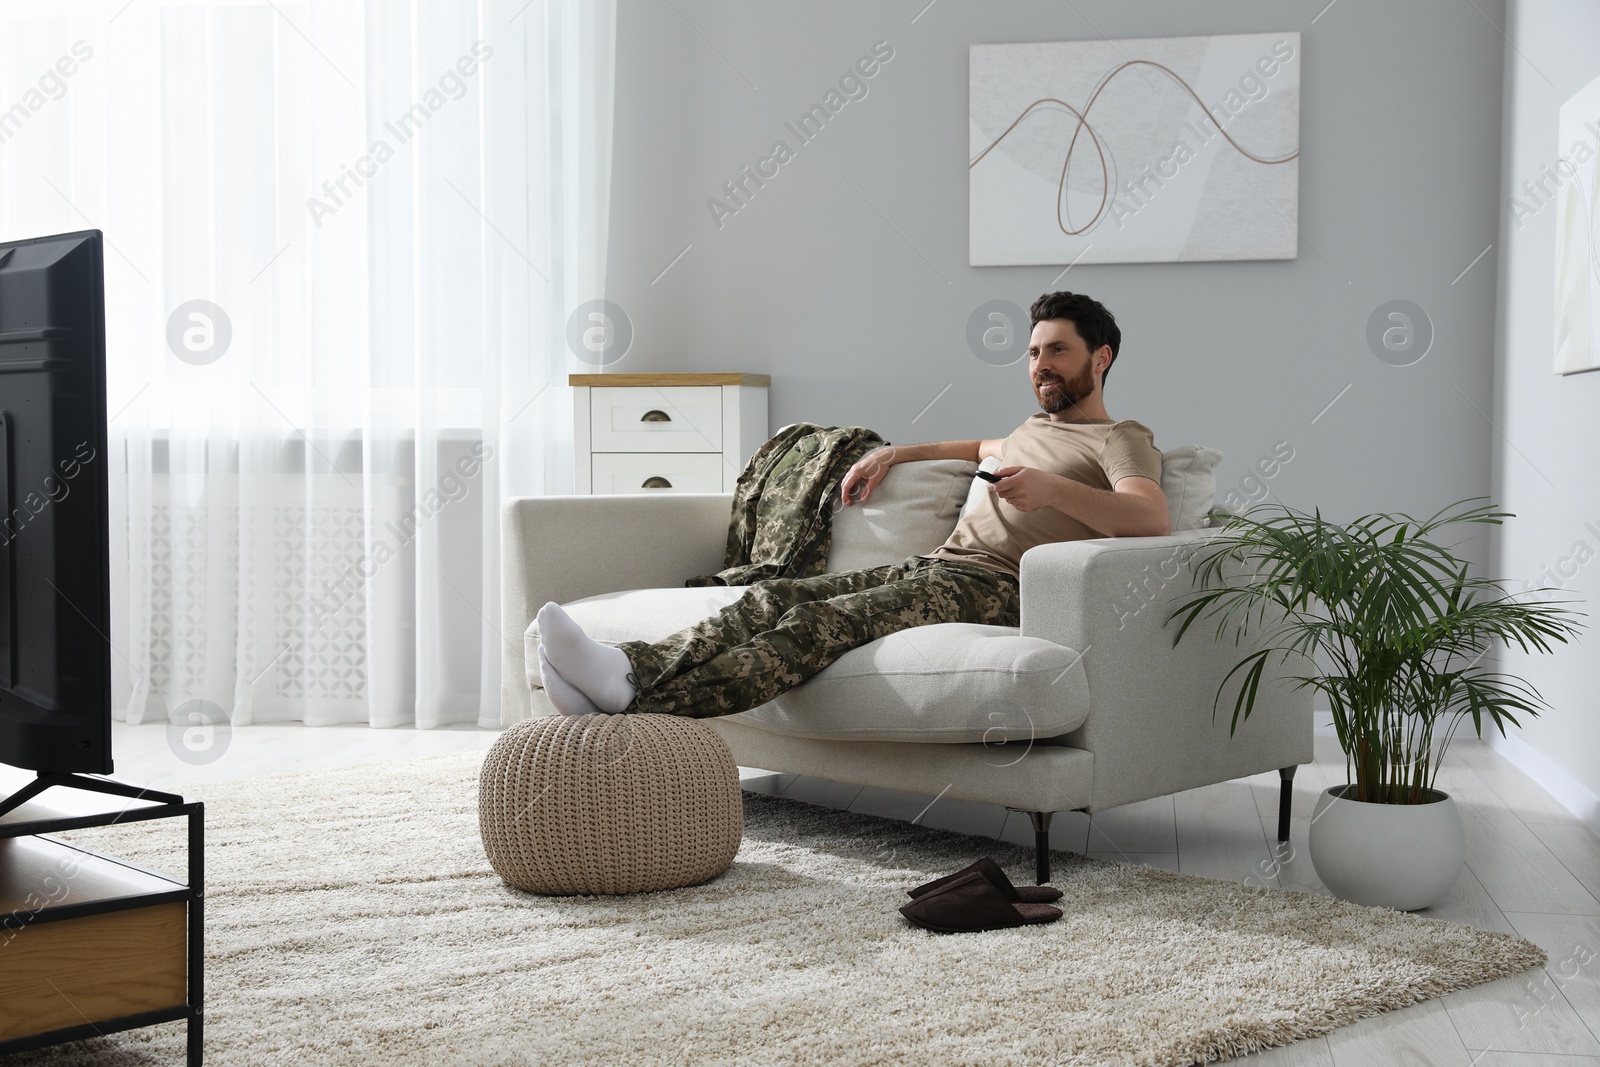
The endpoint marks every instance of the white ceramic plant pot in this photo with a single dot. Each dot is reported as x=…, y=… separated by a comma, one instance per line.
x=1401, y=856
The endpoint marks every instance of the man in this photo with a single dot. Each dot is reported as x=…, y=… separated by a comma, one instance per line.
x=1068, y=472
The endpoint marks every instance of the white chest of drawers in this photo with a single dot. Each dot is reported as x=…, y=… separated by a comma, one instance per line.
x=665, y=433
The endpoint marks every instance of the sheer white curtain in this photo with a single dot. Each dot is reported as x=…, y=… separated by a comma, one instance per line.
x=342, y=239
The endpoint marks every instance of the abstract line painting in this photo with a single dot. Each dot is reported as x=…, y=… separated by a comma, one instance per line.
x=1134, y=151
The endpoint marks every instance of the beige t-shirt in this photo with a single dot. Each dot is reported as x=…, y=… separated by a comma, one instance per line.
x=1096, y=452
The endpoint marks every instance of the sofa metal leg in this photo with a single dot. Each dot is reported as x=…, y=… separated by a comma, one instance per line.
x=1284, y=799
x=1041, y=845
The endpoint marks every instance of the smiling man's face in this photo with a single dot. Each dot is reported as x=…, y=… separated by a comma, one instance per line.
x=1060, y=365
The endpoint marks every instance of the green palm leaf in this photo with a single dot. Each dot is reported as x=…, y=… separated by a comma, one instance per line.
x=1394, y=612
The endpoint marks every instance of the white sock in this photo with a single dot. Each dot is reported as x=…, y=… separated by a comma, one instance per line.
x=600, y=671
x=568, y=698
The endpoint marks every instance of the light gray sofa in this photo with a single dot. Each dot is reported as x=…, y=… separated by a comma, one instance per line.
x=1087, y=706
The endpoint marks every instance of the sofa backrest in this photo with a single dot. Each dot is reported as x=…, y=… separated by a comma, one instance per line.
x=916, y=506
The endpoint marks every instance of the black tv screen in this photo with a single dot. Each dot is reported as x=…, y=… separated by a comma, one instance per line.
x=55, y=579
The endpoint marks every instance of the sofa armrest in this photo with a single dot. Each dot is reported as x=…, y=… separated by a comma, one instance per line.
x=1150, y=723
x=563, y=548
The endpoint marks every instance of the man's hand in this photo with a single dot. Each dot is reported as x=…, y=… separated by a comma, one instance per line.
x=1026, y=488
x=865, y=474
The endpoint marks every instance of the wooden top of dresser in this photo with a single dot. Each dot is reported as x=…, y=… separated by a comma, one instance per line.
x=614, y=380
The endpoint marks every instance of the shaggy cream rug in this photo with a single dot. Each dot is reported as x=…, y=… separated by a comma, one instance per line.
x=354, y=920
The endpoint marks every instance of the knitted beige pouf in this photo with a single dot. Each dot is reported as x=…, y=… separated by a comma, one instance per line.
x=609, y=804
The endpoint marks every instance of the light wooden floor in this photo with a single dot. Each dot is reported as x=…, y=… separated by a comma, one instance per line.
x=1532, y=869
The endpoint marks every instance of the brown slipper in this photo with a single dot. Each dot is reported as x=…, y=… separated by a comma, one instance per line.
x=1033, y=894
x=972, y=903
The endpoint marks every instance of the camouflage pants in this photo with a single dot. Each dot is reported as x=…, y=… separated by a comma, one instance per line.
x=784, y=630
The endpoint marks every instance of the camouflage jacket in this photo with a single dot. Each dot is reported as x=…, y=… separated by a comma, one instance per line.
x=782, y=520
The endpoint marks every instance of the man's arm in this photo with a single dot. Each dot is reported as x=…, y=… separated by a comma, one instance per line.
x=868, y=471
x=1134, y=507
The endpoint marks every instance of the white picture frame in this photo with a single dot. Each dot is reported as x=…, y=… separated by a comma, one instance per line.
x=1187, y=149
x=1577, y=266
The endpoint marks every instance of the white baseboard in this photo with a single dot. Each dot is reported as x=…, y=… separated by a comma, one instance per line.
x=1551, y=777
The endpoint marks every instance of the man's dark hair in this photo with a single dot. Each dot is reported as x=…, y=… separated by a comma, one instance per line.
x=1094, y=323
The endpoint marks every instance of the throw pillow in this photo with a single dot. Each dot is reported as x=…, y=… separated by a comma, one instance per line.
x=912, y=511
x=1188, y=481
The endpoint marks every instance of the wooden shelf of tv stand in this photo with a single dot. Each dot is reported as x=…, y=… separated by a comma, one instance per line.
x=93, y=944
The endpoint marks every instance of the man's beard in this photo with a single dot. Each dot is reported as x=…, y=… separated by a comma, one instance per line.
x=1066, y=393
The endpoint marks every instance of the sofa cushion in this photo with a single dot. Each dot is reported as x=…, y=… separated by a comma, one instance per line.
x=910, y=513
x=1188, y=481
x=950, y=682
x=635, y=615
x=916, y=506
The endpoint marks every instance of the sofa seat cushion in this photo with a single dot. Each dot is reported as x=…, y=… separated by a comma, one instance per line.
x=950, y=682
x=634, y=615
x=637, y=615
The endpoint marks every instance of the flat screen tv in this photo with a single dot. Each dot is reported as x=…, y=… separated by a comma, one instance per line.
x=55, y=578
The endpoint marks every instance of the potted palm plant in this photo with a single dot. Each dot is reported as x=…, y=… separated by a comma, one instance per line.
x=1395, y=633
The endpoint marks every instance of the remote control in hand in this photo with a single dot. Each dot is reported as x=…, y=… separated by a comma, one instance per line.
x=986, y=476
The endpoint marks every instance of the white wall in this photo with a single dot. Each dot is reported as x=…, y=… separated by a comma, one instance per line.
x=1545, y=458
x=860, y=317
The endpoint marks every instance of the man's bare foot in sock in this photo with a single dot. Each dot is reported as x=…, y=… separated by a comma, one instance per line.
x=568, y=698
x=599, y=671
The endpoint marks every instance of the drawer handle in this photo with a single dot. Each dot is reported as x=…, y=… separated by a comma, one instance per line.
x=655, y=481
x=655, y=415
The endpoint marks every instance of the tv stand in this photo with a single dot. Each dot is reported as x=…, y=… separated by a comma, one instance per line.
x=48, y=779
x=93, y=944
